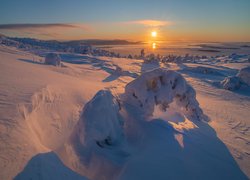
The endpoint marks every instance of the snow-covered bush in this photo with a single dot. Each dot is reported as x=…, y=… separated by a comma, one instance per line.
x=162, y=87
x=53, y=59
x=152, y=59
x=130, y=56
x=231, y=83
x=244, y=75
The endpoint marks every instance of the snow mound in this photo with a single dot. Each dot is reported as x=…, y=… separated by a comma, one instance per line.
x=244, y=75
x=100, y=121
x=161, y=87
x=203, y=70
x=231, y=83
x=53, y=59
x=235, y=82
x=95, y=148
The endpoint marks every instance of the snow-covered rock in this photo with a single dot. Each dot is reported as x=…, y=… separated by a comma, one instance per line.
x=244, y=75
x=53, y=59
x=162, y=87
x=231, y=83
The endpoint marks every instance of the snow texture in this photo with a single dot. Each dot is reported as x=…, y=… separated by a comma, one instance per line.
x=119, y=135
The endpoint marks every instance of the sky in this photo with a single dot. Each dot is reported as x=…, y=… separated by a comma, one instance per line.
x=174, y=20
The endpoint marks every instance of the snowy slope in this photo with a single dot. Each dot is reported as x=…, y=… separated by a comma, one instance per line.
x=50, y=120
x=39, y=107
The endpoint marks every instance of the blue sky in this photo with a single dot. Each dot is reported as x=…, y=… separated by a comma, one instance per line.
x=222, y=20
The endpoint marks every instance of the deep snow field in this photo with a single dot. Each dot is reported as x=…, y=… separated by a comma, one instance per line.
x=105, y=118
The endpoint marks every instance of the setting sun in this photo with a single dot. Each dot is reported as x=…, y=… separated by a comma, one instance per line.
x=153, y=33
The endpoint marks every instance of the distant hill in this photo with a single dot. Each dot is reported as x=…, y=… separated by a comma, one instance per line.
x=104, y=42
x=78, y=46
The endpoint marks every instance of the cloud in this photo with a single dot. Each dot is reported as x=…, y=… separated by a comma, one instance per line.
x=34, y=26
x=150, y=23
x=53, y=30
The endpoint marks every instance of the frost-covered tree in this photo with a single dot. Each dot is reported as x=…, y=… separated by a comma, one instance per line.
x=163, y=87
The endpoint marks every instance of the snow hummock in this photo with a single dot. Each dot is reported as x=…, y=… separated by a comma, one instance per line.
x=235, y=82
x=100, y=123
x=161, y=87
x=53, y=59
x=244, y=75
x=231, y=83
x=96, y=144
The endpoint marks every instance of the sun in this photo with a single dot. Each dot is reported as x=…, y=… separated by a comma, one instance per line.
x=153, y=33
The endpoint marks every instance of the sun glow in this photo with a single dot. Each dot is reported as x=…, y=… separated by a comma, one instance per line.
x=153, y=33
x=154, y=45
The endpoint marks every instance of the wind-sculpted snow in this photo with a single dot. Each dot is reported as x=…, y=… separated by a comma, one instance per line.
x=231, y=83
x=100, y=144
x=95, y=148
x=162, y=87
x=100, y=123
x=244, y=75
x=236, y=82
x=114, y=140
x=53, y=59
x=118, y=135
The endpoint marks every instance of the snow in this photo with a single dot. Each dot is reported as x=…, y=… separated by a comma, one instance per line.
x=244, y=75
x=47, y=166
x=100, y=122
x=97, y=139
x=162, y=87
x=236, y=82
x=231, y=83
x=52, y=59
x=103, y=117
